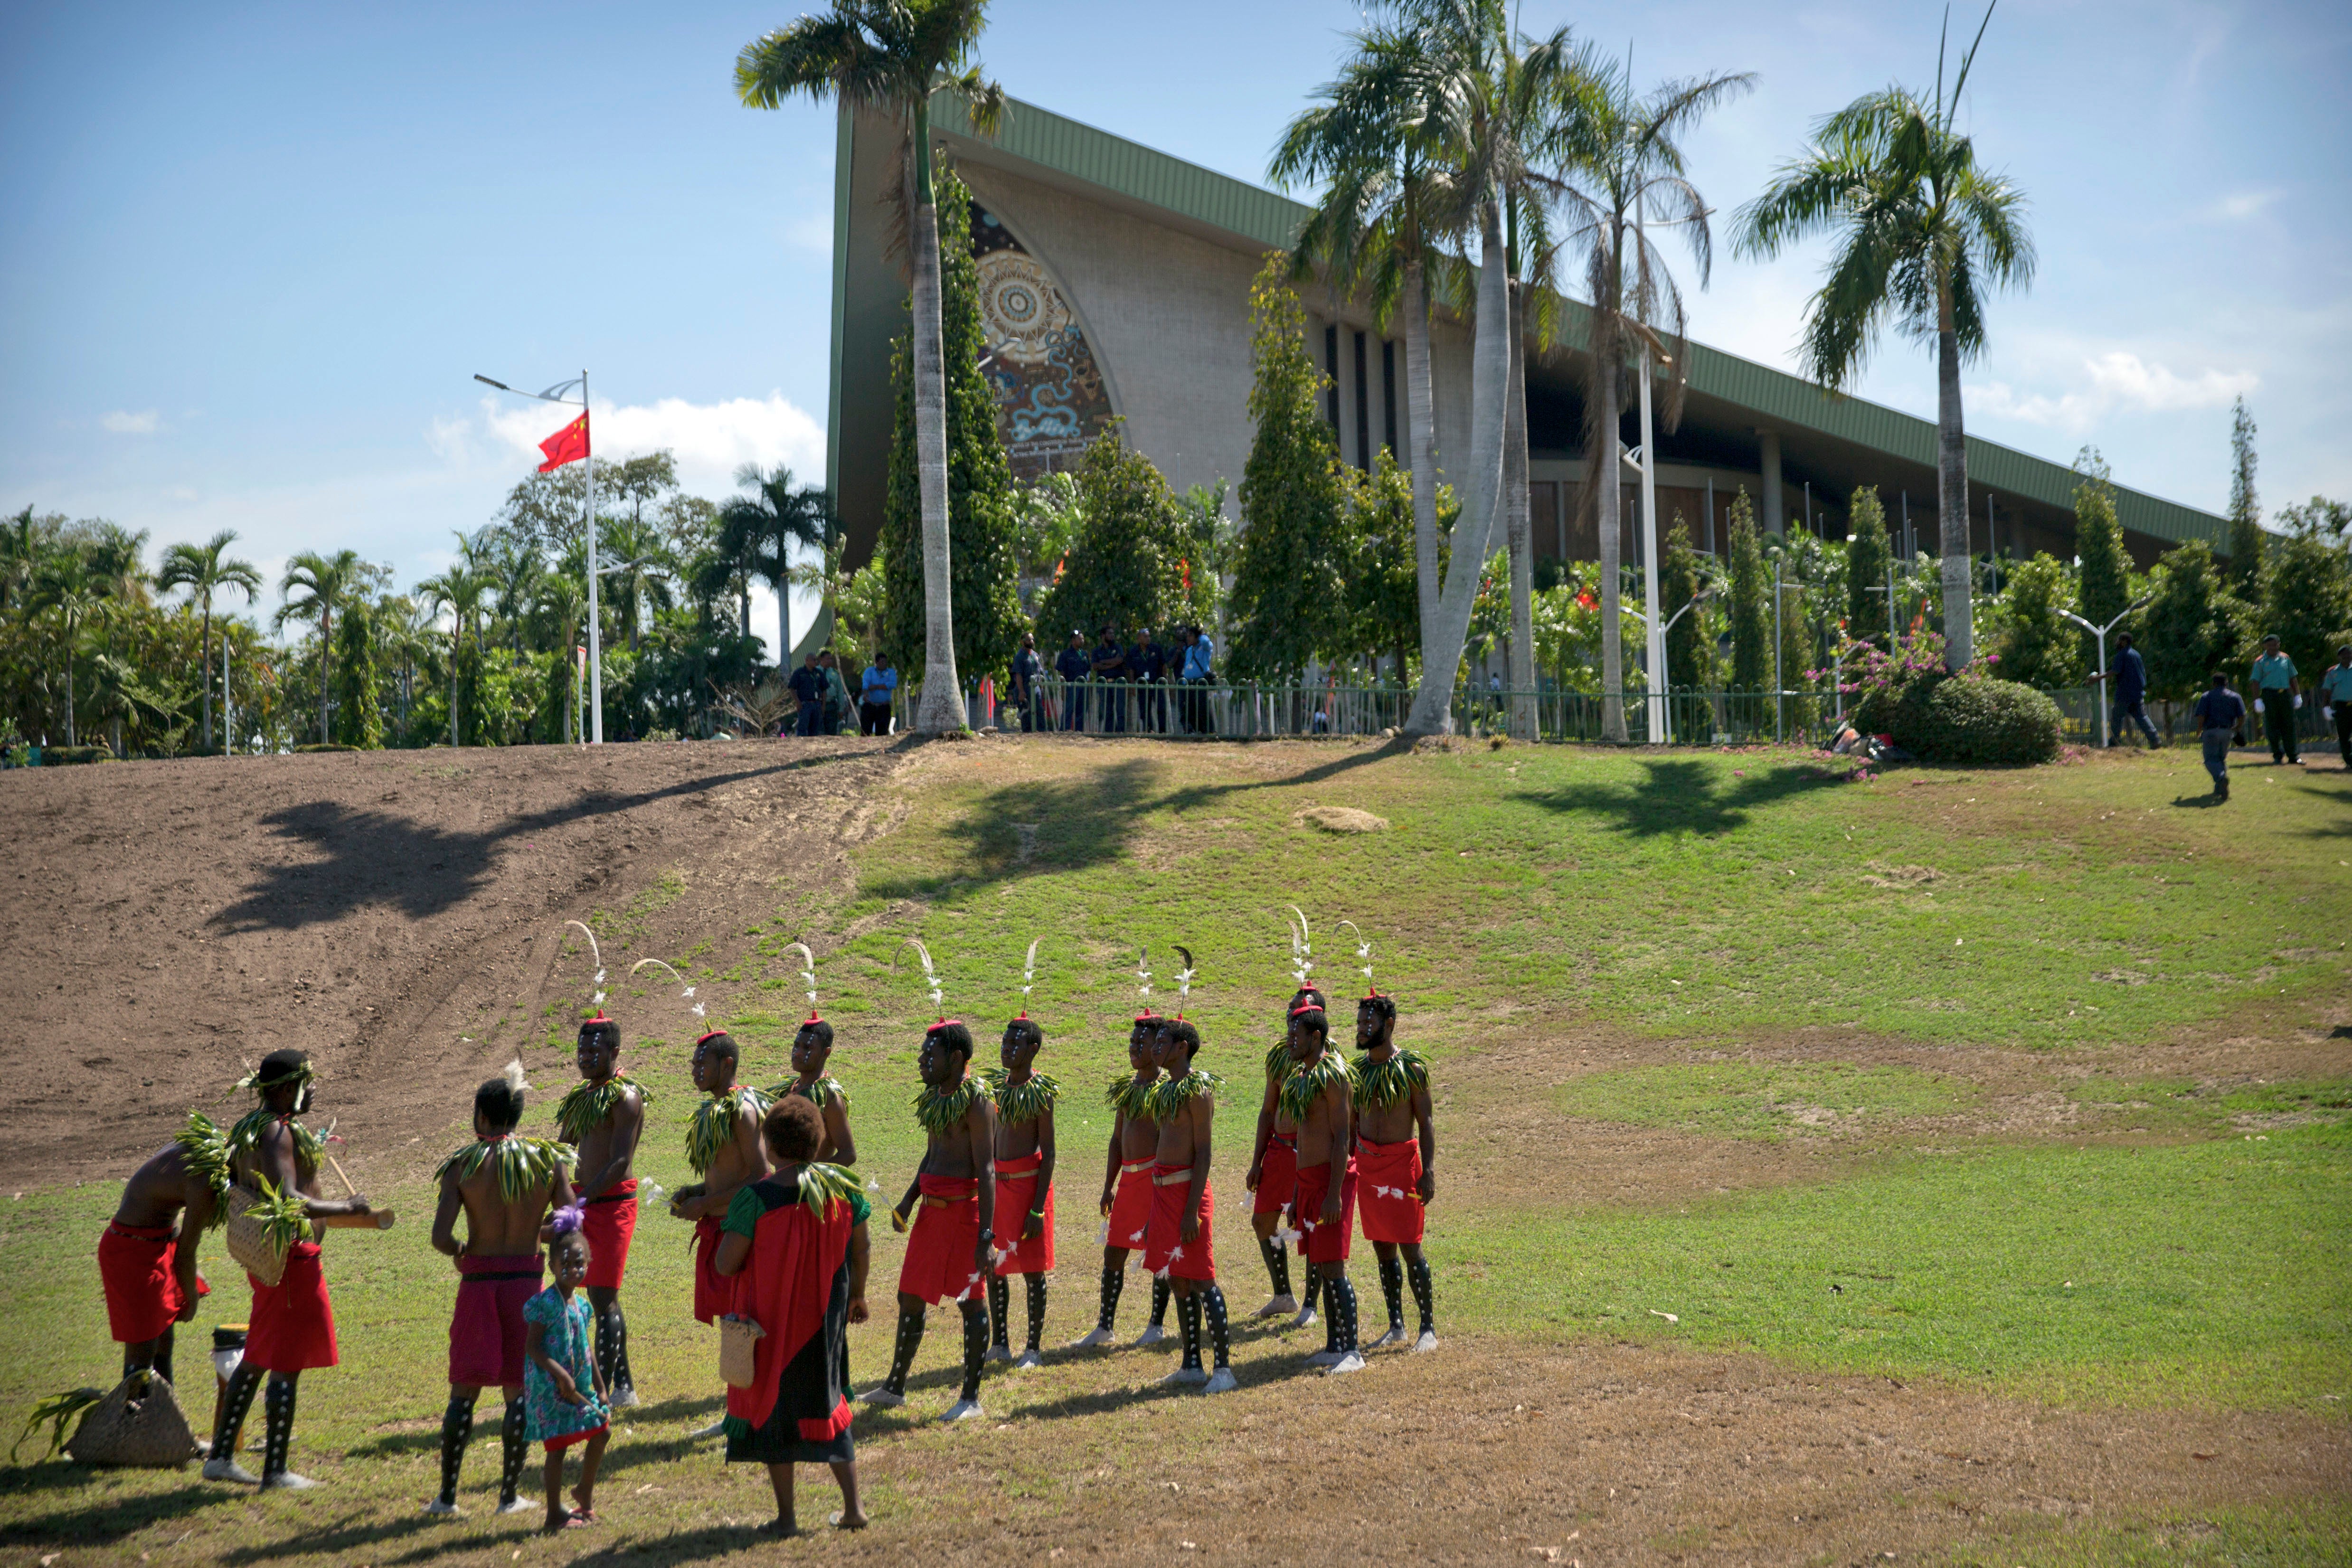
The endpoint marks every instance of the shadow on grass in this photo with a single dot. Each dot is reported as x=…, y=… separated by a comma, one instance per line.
x=105, y=1522
x=2197, y=801
x=691, y=1545
x=1685, y=795
x=342, y=1541
x=1079, y=824
x=377, y=858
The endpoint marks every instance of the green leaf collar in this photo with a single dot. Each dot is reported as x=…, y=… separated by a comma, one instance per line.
x=1307, y=1083
x=1379, y=1085
x=944, y=1111
x=589, y=1105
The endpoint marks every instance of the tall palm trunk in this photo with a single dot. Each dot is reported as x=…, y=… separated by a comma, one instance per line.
x=1522, y=655
x=72, y=736
x=1601, y=466
x=326, y=667
x=204, y=661
x=941, y=708
x=1952, y=489
x=1421, y=448
x=1490, y=370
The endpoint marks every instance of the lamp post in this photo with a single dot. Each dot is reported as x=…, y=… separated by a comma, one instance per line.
x=1657, y=641
x=2101, y=633
x=588, y=511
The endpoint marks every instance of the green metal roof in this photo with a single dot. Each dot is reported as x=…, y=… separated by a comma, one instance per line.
x=1268, y=220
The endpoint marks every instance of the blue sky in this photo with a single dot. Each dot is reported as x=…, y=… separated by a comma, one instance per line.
x=251, y=254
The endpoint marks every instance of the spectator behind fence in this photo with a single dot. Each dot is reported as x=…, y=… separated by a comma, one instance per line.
x=1027, y=670
x=2276, y=696
x=808, y=685
x=2128, y=693
x=2336, y=700
x=1072, y=666
x=1196, y=671
x=2219, y=712
x=1147, y=663
x=1111, y=674
x=876, y=690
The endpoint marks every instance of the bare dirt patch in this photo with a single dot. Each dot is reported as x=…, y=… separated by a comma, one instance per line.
x=394, y=913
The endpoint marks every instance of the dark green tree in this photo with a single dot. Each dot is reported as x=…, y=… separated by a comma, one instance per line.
x=1690, y=656
x=2246, y=539
x=2306, y=599
x=1867, y=556
x=359, y=713
x=1383, y=578
x=2105, y=573
x=2039, y=647
x=1751, y=600
x=984, y=542
x=1289, y=604
x=1125, y=564
x=2193, y=623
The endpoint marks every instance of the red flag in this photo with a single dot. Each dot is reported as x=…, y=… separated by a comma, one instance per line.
x=569, y=444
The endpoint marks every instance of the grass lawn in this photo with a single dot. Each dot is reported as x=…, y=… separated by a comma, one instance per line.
x=2176, y=1250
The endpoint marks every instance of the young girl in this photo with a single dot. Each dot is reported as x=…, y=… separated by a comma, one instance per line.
x=563, y=1396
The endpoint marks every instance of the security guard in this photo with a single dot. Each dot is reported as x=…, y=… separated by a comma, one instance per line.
x=2275, y=699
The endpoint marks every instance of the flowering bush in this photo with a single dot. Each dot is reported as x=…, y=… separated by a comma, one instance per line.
x=1931, y=712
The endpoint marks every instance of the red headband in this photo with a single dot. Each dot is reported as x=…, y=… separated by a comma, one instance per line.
x=711, y=1035
x=942, y=1024
x=1147, y=1016
x=1307, y=1007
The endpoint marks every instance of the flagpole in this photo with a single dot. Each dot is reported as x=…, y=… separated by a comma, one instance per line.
x=595, y=631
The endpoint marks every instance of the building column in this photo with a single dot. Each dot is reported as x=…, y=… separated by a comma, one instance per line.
x=1768, y=459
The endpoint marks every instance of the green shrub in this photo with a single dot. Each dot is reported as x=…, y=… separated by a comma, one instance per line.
x=67, y=756
x=1963, y=718
x=335, y=746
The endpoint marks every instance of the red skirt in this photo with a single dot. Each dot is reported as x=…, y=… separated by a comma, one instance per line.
x=1131, y=1206
x=557, y=1445
x=1388, y=1196
x=608, y=1222
x=714, y=1293
x=1277, y=1173
x=292, y=1326
x=1016, y=1194
x=1326, y=1243
x=939, y=1263
x=486, y=1328
x=143, y=1292
x=1166, y=1248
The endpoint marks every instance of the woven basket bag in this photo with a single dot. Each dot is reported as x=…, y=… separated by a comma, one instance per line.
x=248, y=1243
x=739, y=1350
x=145, y=1427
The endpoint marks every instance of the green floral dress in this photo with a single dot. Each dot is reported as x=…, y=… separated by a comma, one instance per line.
x=570, y=1342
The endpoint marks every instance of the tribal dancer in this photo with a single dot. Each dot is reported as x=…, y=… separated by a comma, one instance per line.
x=722, y=1145
x=1272, y=1179
x=603, y=1117
x=291, y=1328
x=1179, y=1245
x=1316, y=1098
x=1024, y=1180
x=812, y=1049
x=948, y=1256
x=1127, y=1182
x=796, y=1246
x=505, y=1184
x=1396, y=1162
x=147, y=1254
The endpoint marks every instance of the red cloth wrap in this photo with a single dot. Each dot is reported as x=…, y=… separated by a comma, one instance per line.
x=1131, y=1206
x=938, y=1266
x=1016, y=1194
x=1388, y=1201
x=714, y=1293
x=485, y=1326
x=608, y=1222
x=557, y=1445
x=1326, y=1243
x=785, y=1286
x=143, y=1293
x=1277, y=1174
x=292, y=1326
x=1165, y=1247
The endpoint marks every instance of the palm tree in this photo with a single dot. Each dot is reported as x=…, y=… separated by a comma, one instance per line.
x=515, y=567
x=1364, y=141
x=1621, y=171
x=759, y=527
x=562, y=608
x=460, y=591
x=204, y=569
x=324, y=582
x=406, y=628
x=889, y=56
x=638, y=571
x=63, y=588
x=1921, y=228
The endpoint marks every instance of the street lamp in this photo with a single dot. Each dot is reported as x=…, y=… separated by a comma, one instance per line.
x=2101, y=633
x=1657, y=641
x=588, y=509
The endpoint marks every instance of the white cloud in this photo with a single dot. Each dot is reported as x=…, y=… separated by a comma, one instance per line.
x=2117, y=379
x=2246, y=204
x=811, y=232
x=142, y=422
x=711, y=440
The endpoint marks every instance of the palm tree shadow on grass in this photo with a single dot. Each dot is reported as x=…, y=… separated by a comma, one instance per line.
x=98, y=1523
x=1684, y=796
x=376, y=858
x=1074, y=825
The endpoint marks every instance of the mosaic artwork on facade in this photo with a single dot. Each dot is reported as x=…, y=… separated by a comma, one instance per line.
x=1050, y=398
